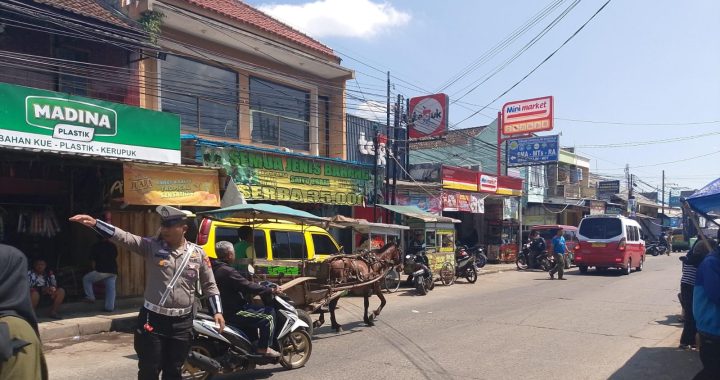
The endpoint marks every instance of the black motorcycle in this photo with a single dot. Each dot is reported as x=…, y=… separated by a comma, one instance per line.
x=655, y=249
x=417, y=264
x=540, y=260
x=465, y=265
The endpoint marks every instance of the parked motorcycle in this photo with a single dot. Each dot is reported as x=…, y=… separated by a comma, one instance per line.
x=422, y=276
x=465, y=265
x=213, y=353
x=539, y=261
x=655, y=249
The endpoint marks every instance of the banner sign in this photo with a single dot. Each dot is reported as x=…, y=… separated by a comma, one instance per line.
x=428, y=116
x=57, y=122
x=423, y=202
x=459, y=178
x=674, y=201
x=160, y=185
x=606, y=189
x=488, y=183
x=463, y=202
x=527, y=116
x=277, y=177
x=533, y=150
x=597, y=207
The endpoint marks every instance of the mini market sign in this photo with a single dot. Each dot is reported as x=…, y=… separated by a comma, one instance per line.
x=56, y=122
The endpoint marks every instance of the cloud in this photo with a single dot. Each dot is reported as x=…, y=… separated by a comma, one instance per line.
x=339, y=18
x=372, y=110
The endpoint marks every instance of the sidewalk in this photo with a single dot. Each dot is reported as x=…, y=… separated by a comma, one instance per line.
x=81, y=319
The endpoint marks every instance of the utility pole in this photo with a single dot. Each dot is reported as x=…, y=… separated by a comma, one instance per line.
x=662, y=201
x=375, y=172
x=387, y=151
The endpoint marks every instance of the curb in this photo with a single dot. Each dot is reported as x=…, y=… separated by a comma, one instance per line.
x=484, y=270
x=73, y=327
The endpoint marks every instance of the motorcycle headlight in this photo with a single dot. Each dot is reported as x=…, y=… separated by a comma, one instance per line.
x=408, y=257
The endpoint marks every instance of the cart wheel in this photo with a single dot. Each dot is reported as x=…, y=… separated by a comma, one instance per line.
x=447, y=274
x=392, y=281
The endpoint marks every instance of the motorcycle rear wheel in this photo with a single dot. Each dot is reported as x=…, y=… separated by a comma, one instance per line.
x=545, y=264
x=188, y=371
x=480, y=260
x=295, y=349
x=420, y=286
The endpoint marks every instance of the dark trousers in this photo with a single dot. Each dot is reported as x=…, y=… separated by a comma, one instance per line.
x=165, y=348
x=559, y=265
x=253, y=320
x=710, y=358
x=686, y=298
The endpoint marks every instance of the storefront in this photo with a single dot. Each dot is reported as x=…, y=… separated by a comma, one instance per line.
x=502, y=216
x=322, y=186
x=61, y=155
x=462, y=200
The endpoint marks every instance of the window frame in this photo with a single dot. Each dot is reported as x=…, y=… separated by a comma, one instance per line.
x=315, y=246
x=264, y=110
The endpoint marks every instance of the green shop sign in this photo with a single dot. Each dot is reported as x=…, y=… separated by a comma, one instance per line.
x=270, y=176
x=51, y=121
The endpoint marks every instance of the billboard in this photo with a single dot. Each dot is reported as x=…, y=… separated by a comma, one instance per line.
x=606, y=189
x=428, y=116
x=527, y=116
x=459, y=178
x=537, y=150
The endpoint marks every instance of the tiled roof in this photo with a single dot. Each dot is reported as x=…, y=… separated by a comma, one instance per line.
x=242, y=12
x=87, y=8
x=457, y=137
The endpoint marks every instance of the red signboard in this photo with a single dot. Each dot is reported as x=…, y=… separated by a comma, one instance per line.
x=428, y=116
x=459, y=178
x=527, y=116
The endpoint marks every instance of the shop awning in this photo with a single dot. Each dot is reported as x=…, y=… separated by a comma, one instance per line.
x=706, y=201
x=415, y=212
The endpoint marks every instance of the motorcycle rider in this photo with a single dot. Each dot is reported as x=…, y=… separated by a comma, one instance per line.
x=233, y=289
x=537, y=248
x=663, y=240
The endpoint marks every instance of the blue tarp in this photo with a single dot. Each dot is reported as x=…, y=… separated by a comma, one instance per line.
x=706, y=201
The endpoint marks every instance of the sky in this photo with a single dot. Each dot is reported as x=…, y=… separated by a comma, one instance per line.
x=643, y=76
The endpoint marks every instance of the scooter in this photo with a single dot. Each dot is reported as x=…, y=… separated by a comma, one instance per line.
x=465, y=265
x=540, y=261
x=422, y=276
x=656, y=249
x=214, y=353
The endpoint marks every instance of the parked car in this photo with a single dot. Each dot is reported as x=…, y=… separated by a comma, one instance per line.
x=610, y=241
x=273, y=242
x=549, y=231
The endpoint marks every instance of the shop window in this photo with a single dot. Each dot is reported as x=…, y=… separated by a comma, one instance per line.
x=287, y=245
x=72, y=84
x=324, y=245
x=280, y=115
x=260, y=244
x=204, y=96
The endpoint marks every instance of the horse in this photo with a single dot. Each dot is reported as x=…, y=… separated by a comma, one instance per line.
x=361, y=268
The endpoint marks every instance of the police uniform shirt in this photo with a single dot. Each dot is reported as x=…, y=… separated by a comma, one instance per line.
x=161, y=264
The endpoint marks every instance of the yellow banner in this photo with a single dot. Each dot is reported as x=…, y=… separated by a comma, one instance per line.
x=269, y=176
x=168, y=185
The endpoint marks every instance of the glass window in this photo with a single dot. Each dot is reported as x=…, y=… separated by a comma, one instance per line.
x=260, y=244
x=324, y=245
x=287, y=245
x=430, y=239
x=205, y=97
x=71, y=84
x=280, y=115
x=226, y=234
x=447, y=241
x=600, y=228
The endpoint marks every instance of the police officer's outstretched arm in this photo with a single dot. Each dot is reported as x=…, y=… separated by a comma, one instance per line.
x=132, y=242
x=209, y=287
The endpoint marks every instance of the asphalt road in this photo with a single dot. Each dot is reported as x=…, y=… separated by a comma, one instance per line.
x=508, y=325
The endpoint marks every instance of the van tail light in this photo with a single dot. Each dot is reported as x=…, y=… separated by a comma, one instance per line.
x=204, y=232
x=622, y=244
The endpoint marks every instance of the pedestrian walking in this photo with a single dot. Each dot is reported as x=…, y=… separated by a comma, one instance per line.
x=559, y=249
x=706, y=309
x=173, y=266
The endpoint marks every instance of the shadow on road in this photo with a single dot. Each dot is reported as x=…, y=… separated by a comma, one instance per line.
x=671, y=320
x=659, y=363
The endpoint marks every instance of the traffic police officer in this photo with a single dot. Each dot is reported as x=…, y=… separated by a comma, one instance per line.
x=172, y=267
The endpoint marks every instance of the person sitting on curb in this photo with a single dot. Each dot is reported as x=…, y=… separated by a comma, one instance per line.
x=104, y=256
x=44, y=284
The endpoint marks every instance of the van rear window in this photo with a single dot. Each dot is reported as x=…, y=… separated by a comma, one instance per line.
x=601, y=228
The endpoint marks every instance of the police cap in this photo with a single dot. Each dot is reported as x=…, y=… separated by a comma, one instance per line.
x=171, y=216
